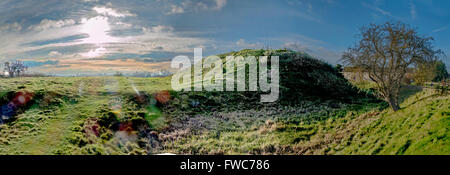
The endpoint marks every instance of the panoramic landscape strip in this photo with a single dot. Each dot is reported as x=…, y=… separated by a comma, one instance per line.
x=224, y=77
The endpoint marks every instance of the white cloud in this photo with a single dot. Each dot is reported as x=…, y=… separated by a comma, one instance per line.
x=156, y=38
x=220, y=4
x=47, y=23
x=158, y=29
x=96, y=35
x=175, y=10
x=95, y=53
x=97, y=28
x=241, y=43
x=111, y=12
x=194, y=6
x=11, y=27
x=17, y=41
x=149, y=42
x=304, y=10
x=383, y=12
x=439, y=29
x=413, y=10
x=126, y=25
x=54, y=54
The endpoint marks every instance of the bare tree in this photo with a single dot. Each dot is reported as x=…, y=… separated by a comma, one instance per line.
x=7, y=69
x=15, y=68
x=385, y=52
x=19, y=67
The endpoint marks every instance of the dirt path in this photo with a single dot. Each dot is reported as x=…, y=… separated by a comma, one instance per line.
x=51, y=135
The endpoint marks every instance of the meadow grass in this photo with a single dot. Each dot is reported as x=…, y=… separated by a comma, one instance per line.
x=64, y=108
x=48, y=128
x=420, y=127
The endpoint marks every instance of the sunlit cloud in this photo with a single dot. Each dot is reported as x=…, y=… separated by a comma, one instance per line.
x=96, y=66
x=54, y=54
x=46, y=24
x=196, y=6
x=95, y=53
x=97, y=28
x=111, y=12
x=174, y=9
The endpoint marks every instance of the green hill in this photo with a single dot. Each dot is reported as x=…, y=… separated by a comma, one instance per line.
x=303, y=79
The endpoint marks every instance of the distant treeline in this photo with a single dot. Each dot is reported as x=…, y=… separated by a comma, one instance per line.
x=162, y=73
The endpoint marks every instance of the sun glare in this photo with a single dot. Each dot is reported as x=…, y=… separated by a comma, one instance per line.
x=97, y=28
x=95, y=53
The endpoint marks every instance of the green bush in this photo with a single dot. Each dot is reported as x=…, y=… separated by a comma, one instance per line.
x=78, y=139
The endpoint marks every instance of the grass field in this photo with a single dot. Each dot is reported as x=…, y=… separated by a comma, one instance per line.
x=60, y=106
x=420, y=127
x=124, y=115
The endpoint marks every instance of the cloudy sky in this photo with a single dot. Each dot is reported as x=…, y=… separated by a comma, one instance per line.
x=67, y=37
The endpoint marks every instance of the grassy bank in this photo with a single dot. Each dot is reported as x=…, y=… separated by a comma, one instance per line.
x=420, y=127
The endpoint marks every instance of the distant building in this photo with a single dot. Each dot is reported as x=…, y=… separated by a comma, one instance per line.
x=355, y=74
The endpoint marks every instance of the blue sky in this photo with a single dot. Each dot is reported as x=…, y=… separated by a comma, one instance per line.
x=98, y=36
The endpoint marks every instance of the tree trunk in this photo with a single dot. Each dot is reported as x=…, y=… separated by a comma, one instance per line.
x=393, y=104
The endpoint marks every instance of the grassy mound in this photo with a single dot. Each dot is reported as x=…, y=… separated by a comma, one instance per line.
x=302, y=78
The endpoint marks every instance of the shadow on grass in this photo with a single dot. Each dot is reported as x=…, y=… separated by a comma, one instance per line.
x=408, y=91
x=421, y=99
